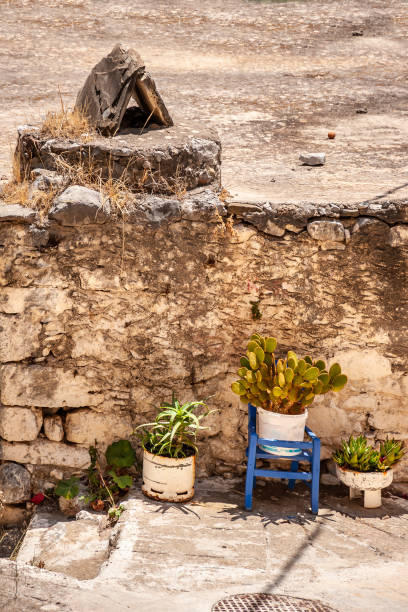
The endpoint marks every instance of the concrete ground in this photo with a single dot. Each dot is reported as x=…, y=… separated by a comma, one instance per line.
x=272, y=76
x=186, y=557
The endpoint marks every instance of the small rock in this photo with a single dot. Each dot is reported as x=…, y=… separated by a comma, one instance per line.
x=361, y=111
x=13, y=515
x=71, y=507
x=329, y=479
x=53, y=428
x=313, y=159
x=15, y=483
x=273, y=229
x=44, y=179
x=158, y=210
x=57, y=474
x=357, y=33
x=331, y=135
x=238, y=208
x=79, y=206
x=332, y=231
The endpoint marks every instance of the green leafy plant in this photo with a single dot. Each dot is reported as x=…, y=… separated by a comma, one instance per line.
x=174, y=431
x=120, y=454
x=356, y=454
x=284, y=385
x=255, y=312
x=67, y=488
x=104, y=489
x=391, y=451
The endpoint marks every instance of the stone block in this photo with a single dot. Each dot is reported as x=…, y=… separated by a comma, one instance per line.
x=101, y=345
x=86, y=426
x=390, y=417
x=45, y=452
x=362, y=364
x=78, y=206
x=398, y=236
x=111, y=84
x=330, y=421
x=15, y=484
x=18, y=424
x=331, y=231
x=99, y=280
x=53, y=428
x=17, y=214
x=19, y=338
x=45, y=386
x=34, y=300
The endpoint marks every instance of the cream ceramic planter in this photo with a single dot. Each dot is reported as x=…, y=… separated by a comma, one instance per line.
x=370, y=483
x=168, y=479
x=275, y=426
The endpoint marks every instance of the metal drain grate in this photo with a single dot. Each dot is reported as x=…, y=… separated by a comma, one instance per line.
x=262, y=602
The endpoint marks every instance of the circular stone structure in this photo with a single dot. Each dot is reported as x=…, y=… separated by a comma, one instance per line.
x=153, y=159
x=262, y=602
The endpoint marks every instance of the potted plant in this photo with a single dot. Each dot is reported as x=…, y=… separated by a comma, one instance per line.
x=170, y=451
x=363, y=468
x=281, y=390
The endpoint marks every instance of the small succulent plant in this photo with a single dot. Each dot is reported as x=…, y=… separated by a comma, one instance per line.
x=285, y=385
x=356, y=454
x=391, y=451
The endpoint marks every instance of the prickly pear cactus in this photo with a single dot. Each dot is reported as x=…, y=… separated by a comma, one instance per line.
x=285, y=385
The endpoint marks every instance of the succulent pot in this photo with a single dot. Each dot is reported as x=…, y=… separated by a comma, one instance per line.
x=168, y=479
x=370, y=483
x=276, y=426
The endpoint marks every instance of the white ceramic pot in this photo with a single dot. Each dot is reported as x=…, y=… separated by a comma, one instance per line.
x=275, y=426
x=369, y=482
x=168, y=479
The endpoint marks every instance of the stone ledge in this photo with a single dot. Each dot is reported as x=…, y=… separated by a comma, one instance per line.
x=157, y=161
x=17, y=214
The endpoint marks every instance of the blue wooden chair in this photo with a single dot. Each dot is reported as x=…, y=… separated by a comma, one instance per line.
x=310, y=452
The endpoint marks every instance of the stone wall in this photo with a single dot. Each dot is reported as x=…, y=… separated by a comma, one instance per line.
x=101, y=318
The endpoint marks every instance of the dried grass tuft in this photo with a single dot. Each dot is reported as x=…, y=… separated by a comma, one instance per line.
x=69, y=124
x=84, y=172
x=66, y=123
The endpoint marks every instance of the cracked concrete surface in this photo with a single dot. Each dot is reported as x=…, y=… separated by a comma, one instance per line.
x=186, y=557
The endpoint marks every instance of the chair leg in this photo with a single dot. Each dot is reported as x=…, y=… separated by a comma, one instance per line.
x=293, y=468
x=250, y=478
x=315, y=476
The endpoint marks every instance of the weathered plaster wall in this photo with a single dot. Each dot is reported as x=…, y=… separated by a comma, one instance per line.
x=101, y=321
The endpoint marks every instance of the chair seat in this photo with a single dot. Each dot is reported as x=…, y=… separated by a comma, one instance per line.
x=261, y=454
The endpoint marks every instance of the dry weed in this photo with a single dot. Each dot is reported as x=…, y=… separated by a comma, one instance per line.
x=83, y=171
x=15, y=192
x=70, y=124
x=224, y=194
x=65, y=123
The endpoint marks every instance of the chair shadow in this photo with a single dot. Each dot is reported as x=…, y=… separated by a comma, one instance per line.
x=385, y=194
